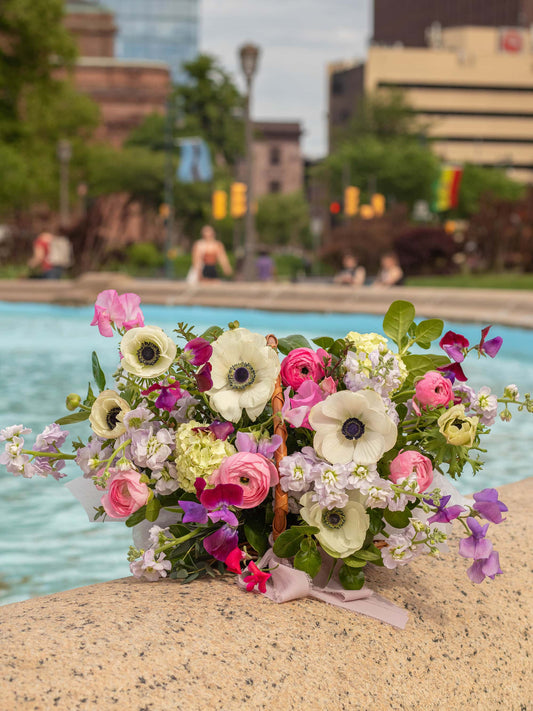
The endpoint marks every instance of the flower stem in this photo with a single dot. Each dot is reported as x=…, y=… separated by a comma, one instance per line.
x=50, y=455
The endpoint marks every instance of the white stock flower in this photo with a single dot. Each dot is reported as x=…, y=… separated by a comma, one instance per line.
x=106, y=415
x=352, y=427
x=342, y=531
x=147, y=351
x=244, y=372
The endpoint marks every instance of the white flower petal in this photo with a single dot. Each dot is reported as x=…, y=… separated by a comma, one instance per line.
x=369, y=448
x=334, y=447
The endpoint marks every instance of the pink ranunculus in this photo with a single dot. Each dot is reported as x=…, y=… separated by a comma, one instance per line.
x=433, y=390
x=133, y=316
x=107, y=309
x=302, y=364
x=126, y=493
x=296, y=409
x=408, y=462
x=253, y=472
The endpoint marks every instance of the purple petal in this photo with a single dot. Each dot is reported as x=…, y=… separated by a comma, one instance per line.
x=220, y=543
x=490, y=511
x=229, y=494
x=199, y=485
x=454, y=352
x=477, y=529
x=168, y=398
x=467, y=547
x=453, y=371
x=203, y=378
x=492, y=347
x=483, y=548
x=221, y=430
x=446, y=515
x=491, y=566
x=486, y=495
x=246, y=442
x=267, y=447
x=199, y=351
x=475, y=572
x=193, y=512
x=224, y=514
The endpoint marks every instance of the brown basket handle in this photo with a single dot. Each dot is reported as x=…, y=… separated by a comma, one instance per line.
x=281, y=498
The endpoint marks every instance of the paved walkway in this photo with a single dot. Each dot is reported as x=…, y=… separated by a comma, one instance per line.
x=507, y=307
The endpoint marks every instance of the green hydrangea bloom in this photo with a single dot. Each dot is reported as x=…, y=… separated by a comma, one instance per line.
x=198, y=454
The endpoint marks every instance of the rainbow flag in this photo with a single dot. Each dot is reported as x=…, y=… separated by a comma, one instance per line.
x=447, y=189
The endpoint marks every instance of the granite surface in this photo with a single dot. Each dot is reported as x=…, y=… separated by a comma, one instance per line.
x=164, y=646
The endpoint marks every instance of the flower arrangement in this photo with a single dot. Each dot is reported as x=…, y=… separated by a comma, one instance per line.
x=232, y=451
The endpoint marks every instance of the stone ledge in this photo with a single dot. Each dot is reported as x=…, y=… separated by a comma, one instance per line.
x=162, y=646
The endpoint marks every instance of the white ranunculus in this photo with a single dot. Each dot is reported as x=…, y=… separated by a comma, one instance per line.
x=244, y=372
x=107, y=415
x=352, y=427
x=342, y=531
x=147, y=351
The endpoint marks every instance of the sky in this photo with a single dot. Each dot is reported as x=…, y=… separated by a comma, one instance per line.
x=298, y=38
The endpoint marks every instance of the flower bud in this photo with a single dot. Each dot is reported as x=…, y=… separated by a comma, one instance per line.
x=73, y=401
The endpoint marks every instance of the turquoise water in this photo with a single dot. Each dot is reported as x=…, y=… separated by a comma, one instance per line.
x=47, y=543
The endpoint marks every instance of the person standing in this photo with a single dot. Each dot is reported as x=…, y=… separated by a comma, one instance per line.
x=208, y=253
x=39, y=262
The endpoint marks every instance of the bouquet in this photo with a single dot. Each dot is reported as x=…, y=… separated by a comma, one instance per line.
x=232, y=451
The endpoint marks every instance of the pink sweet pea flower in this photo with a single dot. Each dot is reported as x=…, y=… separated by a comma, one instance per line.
x=125, y=494
x=133, y=316
x=198, y=351
x=256, y=577
x=296, y=409
x=492, y=346
x=328, y=386
x=107, y=309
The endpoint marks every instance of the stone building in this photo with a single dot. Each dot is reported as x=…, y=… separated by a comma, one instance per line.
x=126, y=90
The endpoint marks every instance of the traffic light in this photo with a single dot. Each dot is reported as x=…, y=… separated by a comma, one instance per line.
x=238, y=199
x=335, y=213
x=219, y=202
x=367, y=212
x=378, y=204
x=351, y=200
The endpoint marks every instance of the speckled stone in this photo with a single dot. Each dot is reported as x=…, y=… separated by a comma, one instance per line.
x=164, y=646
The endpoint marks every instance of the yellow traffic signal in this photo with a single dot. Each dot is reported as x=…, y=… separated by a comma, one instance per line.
x=238, y=199
x=378, y=204
x=219, y=203
x=351, y=200
x=367, y=212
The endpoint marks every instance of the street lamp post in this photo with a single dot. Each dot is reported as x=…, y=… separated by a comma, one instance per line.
x=64, y=154
x=249, y=55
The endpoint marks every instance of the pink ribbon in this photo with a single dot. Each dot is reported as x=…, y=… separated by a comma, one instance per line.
x=287, y=583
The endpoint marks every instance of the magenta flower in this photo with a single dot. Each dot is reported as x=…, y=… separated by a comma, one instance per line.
x=296, y=409
x=489, y=506
x=492, y=346
x=444, y=514
x=454, y=345
x=266, y=446
x=256, y=577
x=475, y=546
x=220, y=430
x=168, y=397
x=133, y=316
x=198, y=351
x=453, y=371
x=233, y=561
x=486, y=567
x=203, y=378
x=220, y=543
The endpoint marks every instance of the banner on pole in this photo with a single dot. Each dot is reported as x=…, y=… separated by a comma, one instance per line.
x=195, y=161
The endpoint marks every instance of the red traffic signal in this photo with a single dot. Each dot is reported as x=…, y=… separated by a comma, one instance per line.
x=335, y=208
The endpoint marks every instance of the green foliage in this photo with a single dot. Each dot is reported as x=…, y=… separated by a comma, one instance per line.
x=283, y=219
x=288, y=543
x=351, y=578
x=98, y=373
x=145, y=256
x=308, y=558
x=477, y=181
x=397, y=320
x=287, y=344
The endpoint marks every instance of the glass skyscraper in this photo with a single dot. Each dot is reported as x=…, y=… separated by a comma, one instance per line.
x=164, y=30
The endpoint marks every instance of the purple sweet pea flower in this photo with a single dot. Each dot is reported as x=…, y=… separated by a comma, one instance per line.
x=454, y=345
x=492, y=346
x=453, y=371
x=193, y=512
x=444, y=514
x=221, y=430
x=203, y=378
x=487, y=567
x=489, y=506
x=475, y=546
x=266, y=446
x=168, y=396
x=198, y=351
x=220, y=543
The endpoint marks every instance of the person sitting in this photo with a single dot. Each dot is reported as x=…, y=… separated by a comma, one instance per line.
x=207, y=254
x=264, y=266
x=390, y=273
x=352, y=273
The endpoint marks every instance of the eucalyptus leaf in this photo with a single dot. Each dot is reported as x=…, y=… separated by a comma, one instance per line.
x=398, y=319
x=288, y=543
x=75, y=417
x=98, y=373
x=289, y=343
x=351, y=578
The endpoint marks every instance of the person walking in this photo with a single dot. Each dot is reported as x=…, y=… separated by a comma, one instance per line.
x=208, y=253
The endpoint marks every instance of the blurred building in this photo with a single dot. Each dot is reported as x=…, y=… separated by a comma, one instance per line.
x=407, y=22
x=472, y=85
x=126, y=91
x=278, y=163
x=160, y=30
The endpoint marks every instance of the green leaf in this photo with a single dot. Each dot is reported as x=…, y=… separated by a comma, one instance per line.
x=288, y=543
x=256, y=536
x=285, y=345
x=136, y=517
x=98, y=373
x=308, y=558
x=75, y=417
x=351, y=579
x=376, y=521
x=398, y=319
x=338, y=347
x=212, y=333
x=428, y=331
x=153, y=507
x=90, y=396
x=418, y=365
x=178, y=530
x=397, y=519
x=367, y=554
x=354, y=562
x=324, y=342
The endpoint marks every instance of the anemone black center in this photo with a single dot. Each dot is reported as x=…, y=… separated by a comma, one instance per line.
x=333, y=518
x=148, y=353
x=353, y=428
x=241, y=375
x=458, y=423
x=112, y=417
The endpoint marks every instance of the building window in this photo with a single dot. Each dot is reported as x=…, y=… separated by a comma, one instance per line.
x=337, y=85
x=275, y=155
x=275, y=186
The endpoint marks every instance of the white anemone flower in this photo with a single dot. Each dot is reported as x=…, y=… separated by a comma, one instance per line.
x=244, y=372
x=352, y=427
x=342, y=531
x=107, y=415
x=147, y=351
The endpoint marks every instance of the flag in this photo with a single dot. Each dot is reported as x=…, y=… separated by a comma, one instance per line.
x=447, y=189
x=195, y=161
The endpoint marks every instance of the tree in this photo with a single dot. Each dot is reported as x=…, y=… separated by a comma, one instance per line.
x=283, y=220
x=478, y=182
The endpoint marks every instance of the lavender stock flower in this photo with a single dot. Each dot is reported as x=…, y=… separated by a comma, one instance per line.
x=489, y=506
